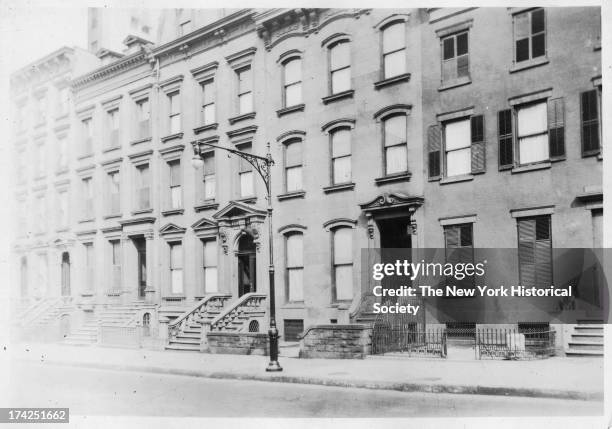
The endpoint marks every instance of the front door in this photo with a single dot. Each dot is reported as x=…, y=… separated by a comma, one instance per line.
x=65, y=274
x=395, y=243
x=246, y=265
x=141, y=250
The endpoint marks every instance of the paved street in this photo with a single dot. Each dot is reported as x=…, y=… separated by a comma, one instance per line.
x=122, y=393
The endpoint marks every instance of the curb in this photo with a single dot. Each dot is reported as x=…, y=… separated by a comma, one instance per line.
x=362, y=384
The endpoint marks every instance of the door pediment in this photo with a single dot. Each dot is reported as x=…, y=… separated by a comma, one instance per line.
x=392, y=200
x=236, y=210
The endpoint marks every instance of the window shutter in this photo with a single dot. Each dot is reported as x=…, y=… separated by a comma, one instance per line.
x=526, y=244
x=434, y=146
x=590, y=123
x=478, y=144
x=504, y=129
x=556, y=128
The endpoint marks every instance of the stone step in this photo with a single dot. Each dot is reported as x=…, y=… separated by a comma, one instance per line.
x=589, y=322
x=184, y=347
x=585, y=345
x=588, y=328
x=189, y=335
x=588, y=336
x=585, y=353
x=184, y=340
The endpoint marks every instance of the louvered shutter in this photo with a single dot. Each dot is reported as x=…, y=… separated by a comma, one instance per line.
x=526, y=245
x=504, y=130
x=478, y=144
x=459, y=249
x=434, y=147
x=535, y=251
x=590, y=123
x=556, y=128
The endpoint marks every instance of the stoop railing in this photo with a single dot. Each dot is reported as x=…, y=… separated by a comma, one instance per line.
x=514, y=344
x=239, y=316
x=198, y=313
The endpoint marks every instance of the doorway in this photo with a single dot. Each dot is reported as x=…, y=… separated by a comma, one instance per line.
x=395, y=244
x=246, y=265
x=65, y=274
x=141, y=250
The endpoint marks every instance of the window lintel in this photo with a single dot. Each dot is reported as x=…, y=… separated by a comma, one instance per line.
x=291, y=135
x=392, y=19
x=335, y=38
x=338, y=123
x=394, y=109
x=455, y=28
x=531, y=97
x=339, y=222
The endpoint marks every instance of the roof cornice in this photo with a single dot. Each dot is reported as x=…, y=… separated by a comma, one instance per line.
x=126, y=63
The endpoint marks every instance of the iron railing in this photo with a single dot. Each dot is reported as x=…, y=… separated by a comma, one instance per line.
x=389, y=338
x=515, y=344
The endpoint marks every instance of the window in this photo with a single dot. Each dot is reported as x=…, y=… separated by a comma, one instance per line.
x=293, y=328
x=590, y=103
x=209, y=265
x=245, y=90
x=529, y=35
x=535, y=251
x=62, y=152
x=395, y=144
x=342, y=252
x=62, y=217
x=143, y=200
x=455, y=58
x=89, y=266
x=394, y=50
x=459, y=248
x=175, y=112
x=340, y=67
x=532, y=133
x=88, y=201
x=144, y=117
x=114, y=193
x=175, y=184
x=293, y=166
x=115, y=264
x=41, y=160
x=208, y=102
x=210, y=182
x=63, y=101
x=457, y=147
x=341, y=156
x=294, y=264
x=176, y=267
x=540, y=128
x=245, y=173
x=87, y=133
x=41, y=220
x=112, y=117
x=41, y=110
x=292, y=73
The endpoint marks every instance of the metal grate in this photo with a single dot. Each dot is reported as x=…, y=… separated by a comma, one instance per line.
x=254, y=326
x=460, y=329
x=293, y=328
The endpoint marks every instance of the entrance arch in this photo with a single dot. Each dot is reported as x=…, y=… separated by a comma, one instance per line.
x=65, y=274
x=247, y=263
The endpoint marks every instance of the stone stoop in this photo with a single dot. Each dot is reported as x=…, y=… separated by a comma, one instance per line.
x=586, y=339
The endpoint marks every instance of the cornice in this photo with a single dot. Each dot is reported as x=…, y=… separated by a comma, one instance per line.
x=122, y=65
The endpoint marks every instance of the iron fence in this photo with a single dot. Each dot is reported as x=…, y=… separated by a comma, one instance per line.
x=515, y=344
x=389, y=338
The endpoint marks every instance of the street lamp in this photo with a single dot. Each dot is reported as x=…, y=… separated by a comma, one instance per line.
x=263, y=166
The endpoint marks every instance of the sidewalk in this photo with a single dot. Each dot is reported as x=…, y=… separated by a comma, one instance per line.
x=559, y=377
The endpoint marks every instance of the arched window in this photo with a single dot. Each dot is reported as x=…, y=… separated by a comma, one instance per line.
x=340, y=66
x=342, y=263
x=394, y=49
x=292, y=81
x=294, y=266
x=146, y=324
x=341, y=155
x=395, y=144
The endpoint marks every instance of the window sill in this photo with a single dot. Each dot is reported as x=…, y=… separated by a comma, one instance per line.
x=339, y=188
x=531, y=167
x=242, y=117
x=600, y=156
x=62, y=116
x=62, y=229
x=40, y=125
x=62, y=170
x=113, y=293
x=338, y=96
x=290, y=109
x=87, y=294
x=175, y=136
x=172, y=212
x=392, y=80
x=40, y=177
x=143, y=211
x=87, y=155
x=112, y=216
x=342, y=305
x=206, y=206
x=291, y=195
x=528, y=64
x=456, y=179
x=110, y=149
x=87, y=220
x=455, y=83
x=142, y=140
x=400, y=177
x=591, y=153
x=207, y=127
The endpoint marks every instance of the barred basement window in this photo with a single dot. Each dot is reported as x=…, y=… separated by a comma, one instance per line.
x=530, y=35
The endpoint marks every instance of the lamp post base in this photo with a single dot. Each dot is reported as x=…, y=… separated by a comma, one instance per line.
x=274, y=366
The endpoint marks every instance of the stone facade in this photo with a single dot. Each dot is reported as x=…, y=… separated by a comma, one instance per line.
x=240, y=343
x=352, y=341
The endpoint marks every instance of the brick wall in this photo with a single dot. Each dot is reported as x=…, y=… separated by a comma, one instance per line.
x=243, y=343
x=336, y=341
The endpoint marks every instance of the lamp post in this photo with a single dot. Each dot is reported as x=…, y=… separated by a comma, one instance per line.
x=263, y=166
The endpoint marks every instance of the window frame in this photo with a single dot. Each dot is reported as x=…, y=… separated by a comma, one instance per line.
x=204, y=242
x=550, y=238
x=384, y=147
x=445, y=152
x=244, y=69
x=299, y=82
x=139, y=185
x=175, y=163
x=241, y=161
x=516, y=137
x=330, y=72
x=171, y=268
x=286, y=168
x=286, y=236
x=530, y=37
x=383, y=54
x=203, y=105
x=171, y=114
x=110, y=176
x=455, y=57
x=332, y=133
